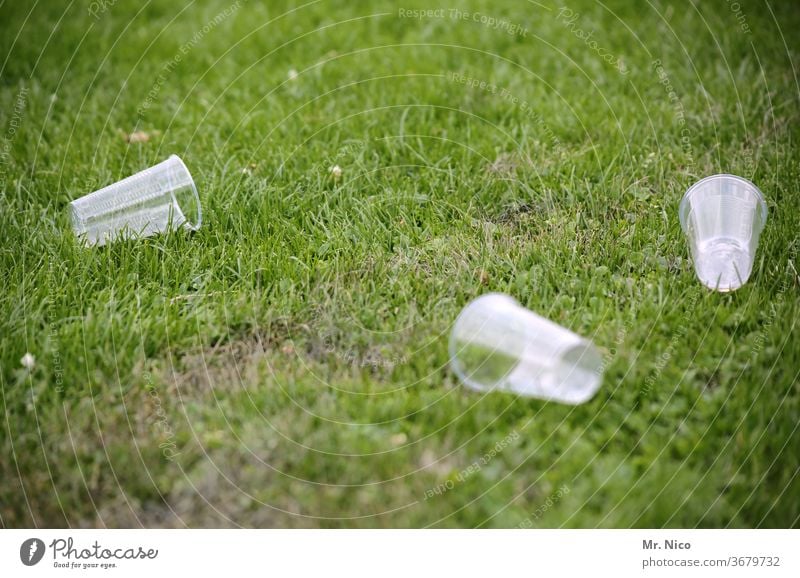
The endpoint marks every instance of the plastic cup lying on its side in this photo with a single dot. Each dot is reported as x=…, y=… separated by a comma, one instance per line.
x=155, y=200
x=496, y=344
x=722, y=217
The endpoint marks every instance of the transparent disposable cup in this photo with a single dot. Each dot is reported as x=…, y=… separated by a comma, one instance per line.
x=496, y=344
x=152, y=201
x=722, y=217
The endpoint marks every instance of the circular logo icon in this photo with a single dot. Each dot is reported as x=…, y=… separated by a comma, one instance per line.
x=31, y=551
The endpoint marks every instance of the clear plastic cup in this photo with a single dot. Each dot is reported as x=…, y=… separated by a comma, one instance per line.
x=723, y=216
x=496, y=344
x=152, y=201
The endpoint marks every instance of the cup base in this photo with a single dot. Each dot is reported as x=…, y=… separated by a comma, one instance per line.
x=723, y=264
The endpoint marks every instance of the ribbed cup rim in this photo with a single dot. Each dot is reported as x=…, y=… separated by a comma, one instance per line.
x=455, y=363
x=685, y=205
x=192, y=226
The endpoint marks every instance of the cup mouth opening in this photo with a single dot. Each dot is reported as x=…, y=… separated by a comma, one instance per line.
x=453, y=350
x=685, y=206
x=455, y=365
x=74, y=217
x=78, y=224
x=191, y=222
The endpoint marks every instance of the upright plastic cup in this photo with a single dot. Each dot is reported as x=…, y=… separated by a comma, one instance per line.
x=723, y=216
x=496, y=344
x=152, y=201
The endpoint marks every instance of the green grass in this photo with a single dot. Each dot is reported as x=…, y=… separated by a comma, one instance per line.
x=286, y=365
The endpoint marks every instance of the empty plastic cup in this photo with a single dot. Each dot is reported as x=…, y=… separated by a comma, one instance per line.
x=496, y=344
x=723, y=216
x=152, y=201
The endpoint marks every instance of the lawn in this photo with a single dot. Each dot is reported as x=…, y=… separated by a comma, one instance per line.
x=286, y=365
